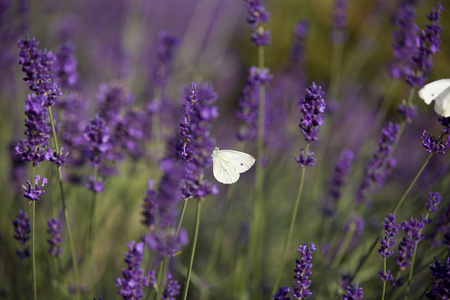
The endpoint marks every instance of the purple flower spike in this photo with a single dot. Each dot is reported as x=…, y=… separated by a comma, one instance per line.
x=54, y=229
x=432, y=145
x=390, y=230
x=33, y=193
x=58, y=158
x=408, y=112
x=131, y=285
x=305, y=161
x=38, y=68
x=446, y=123
x=312, y=106
x=66, y=65
x=440, y=273
x=172, y=289
x=354, y=293
x=149, y=206
x=434, y=199
x=95, y=186
x=22, y=230
x=303, y=271
x=282, y=293
x=256, y=17
x=413, y=236
x=165, y=52
x=97, y=137
x=339, y=17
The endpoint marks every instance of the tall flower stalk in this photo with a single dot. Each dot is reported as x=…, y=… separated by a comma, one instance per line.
x=312, y=108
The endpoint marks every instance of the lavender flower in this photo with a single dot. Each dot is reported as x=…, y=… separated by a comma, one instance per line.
x=282, y=293
x=66, y=65
x=408, y=112
x=33, y=193
x=434, y=199
x=38, y=68
x=381, y=164
x=22, y=229
x=298, y=45
x=54, y=229
x=58, y=158
x=149, y=206
x=132, y=283
x=429, y=44
x=413, y=236
x=305, y=161
x=303, y=271
x=172, y=289
x=248, y=102
x=440, y=273
x=354, y=293
x=432, y=145
x=339, y=18
x=337, y=181
x=37, y=131
x=165, y=52
x=312, y=105
x=257, y=16
x=446, y=123
x=196, y=142
x=390, y=229
x=95, y=186
x=97, y=137
x=111, y=100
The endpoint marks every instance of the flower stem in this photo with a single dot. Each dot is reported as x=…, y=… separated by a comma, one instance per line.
x=384, y=283
x=291, y=227
x=66, y=214
x=180, y=220
x=194, y=244
x=33, y=247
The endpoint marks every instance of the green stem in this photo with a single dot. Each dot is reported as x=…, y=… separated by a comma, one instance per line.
x=66, y=214
x=90, y=240
x=336, y=63
x=194, y=244
x=384, y=283
x=33, y=247
x=163, y=275
x=159, y=281
x=180, y=220
x=291, y=227
x=344, y=246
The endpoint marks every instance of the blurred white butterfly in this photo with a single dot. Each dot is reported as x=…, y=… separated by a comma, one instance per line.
x=439, y=91
x=228, y=164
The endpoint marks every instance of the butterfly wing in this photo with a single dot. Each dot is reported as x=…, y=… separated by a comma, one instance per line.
x=442, y=103
x=433, y=90
x=224, y=170
x=241, y=161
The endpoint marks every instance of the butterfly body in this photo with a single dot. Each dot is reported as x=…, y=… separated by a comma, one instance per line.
x=228, y=164
x=439, y=91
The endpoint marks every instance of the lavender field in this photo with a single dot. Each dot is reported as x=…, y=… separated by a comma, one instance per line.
x=112, y=187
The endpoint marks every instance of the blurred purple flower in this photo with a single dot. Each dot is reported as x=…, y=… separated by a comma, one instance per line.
x=38, y=68
x=97, y=137
x=337, y=181
x=256, y=17
x=305, y=161
x=172, y=289
x=37, y=131
x=339, y=18
x=132, y=281
x=432, y=145
x=303, y=271
x=95, y=186
x=111, y=100
x=34, y=192
x=312, y=106
x=66, y=65
x=413, y=236
x=22, y=229
x=165, y=53
x=390, y=230
x=408, y=112
x=440, y=273
x=58, y=158
x=54, y=229
x=353, y=293
x=379, y=167
x=248, y=102
x=298, y=50
x=446, y=123
x=282, y=293
x=434, y=199
x=149, y=206
x=196, y=143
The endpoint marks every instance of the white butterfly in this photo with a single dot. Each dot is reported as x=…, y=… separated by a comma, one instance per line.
x=439, y=91
x=228, y=164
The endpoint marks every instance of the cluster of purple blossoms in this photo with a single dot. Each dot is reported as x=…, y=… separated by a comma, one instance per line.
x=97, y=137
x=440, y=272
x=312, y=106
x=172, y=289
x=131, y=132
x=413, y=230
x=340, y=173
x=380, y=165
x=390, y=229
x=149, y=206
x=33, y=193
x=408, y=112
x=22, y=229
x=54, y=229
x=304, y=160
x=111, y=100
x=66, y=65
x=196, y=143
x=433, y=145
x=38, y=68
x=165, y=52
x=339, y=18
x=428, y=44
x=257, y=16
x=133, y=280
x=37, y=131
x=302, y=272
x=248, y=102
x=282, y=293
x=297, y=53
x=434, y=199
x=353, y=293
x=446, y=123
